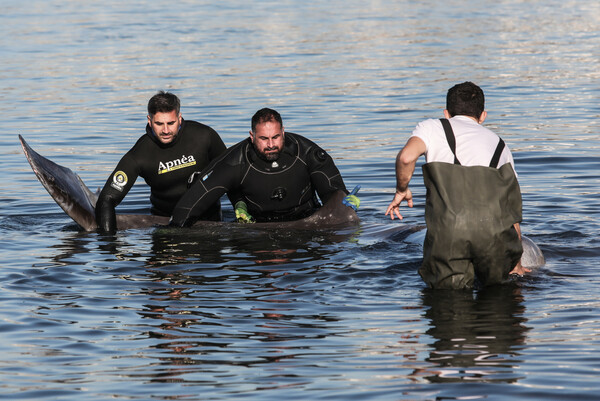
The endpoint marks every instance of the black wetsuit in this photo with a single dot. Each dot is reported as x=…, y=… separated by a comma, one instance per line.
x=165, y=168
x=280, y=190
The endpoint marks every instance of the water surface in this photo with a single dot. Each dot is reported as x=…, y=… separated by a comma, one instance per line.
x=339, y=314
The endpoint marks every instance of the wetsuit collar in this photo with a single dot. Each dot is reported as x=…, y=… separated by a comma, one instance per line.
x=154, y=137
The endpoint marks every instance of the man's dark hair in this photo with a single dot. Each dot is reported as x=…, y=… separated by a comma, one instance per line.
x=265, y=115
x=465, y=99
x=163, y=102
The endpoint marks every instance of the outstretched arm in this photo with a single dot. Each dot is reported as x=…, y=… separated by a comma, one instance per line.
x=117, y=186
x=405, y=167
x=197, y=200
x=220, y=176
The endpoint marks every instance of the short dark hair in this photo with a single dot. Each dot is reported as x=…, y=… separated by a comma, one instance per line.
x=465, y=99
x=265, y=115
x=163, y=102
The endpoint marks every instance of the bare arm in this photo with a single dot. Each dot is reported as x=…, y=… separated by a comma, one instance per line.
x=518, y=229
x=405, y=167
x=519, y=268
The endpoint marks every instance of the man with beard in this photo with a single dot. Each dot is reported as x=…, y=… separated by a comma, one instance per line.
x=165, y=156
x=271, y=176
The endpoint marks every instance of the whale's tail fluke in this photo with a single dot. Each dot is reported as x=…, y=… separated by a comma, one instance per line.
x=65, y=187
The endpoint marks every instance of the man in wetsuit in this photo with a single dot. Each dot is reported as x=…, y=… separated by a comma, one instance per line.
x=473, y=206
x=271, y=176
x=166, y=156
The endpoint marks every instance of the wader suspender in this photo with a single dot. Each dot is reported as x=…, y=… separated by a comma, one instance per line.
x=452, y=143
x=450, y=138
x=497, y=153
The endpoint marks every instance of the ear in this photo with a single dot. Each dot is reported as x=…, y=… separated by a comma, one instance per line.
x=251, y=136
x=482, y=117
x=447, y=114
x=149, y=120
x=180, y=118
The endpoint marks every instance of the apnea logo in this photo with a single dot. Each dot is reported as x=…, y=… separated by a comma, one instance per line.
x=185, y=161
x=119, y=180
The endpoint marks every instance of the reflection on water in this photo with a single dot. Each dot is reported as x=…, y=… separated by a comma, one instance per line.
x=477, y=335
x=222, y=245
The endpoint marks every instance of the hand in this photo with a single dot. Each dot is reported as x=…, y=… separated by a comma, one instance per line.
x=241, y=213
x=520, y=270
x=351, y=200
x=394, y=207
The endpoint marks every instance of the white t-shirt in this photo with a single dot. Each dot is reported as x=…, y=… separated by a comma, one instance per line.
x=475, y=144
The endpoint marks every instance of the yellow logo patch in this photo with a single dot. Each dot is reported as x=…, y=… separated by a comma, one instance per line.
x=119, y=180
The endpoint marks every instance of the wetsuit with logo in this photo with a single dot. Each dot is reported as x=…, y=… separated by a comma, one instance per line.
x=165, y=168
x=470, y=213
x=280, y=190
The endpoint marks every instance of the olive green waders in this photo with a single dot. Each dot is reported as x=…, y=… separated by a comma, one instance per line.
x=470, y=212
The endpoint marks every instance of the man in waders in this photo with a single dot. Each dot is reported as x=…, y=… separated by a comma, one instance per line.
x=473, y=205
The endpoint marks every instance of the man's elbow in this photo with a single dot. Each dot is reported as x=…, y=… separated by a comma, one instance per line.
x=180, y=218
x=406, y=159
x=414, y=148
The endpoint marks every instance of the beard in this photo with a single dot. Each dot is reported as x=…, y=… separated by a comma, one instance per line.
x=269, y=157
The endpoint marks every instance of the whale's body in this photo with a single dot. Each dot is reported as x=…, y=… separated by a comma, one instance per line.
x=532, y=255
x=75, y=198
x=78, y=201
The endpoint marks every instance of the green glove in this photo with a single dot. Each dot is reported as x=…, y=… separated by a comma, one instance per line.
x=241, y=213
x=352, y=200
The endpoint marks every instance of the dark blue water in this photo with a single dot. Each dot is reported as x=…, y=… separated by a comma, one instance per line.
x=333, y=314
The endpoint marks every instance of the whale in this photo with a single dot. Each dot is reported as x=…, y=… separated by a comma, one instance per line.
x=532, y=257
x=70, y=192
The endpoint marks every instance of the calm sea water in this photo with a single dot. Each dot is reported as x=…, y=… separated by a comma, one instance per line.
x=243, y=314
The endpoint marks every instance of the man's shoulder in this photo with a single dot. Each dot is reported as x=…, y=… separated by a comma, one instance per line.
x=142, y=143
x=139, y=151
x=300, y=140
x=428, y=128
x=431, y=123
x=236, y=154
x=196, y=127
